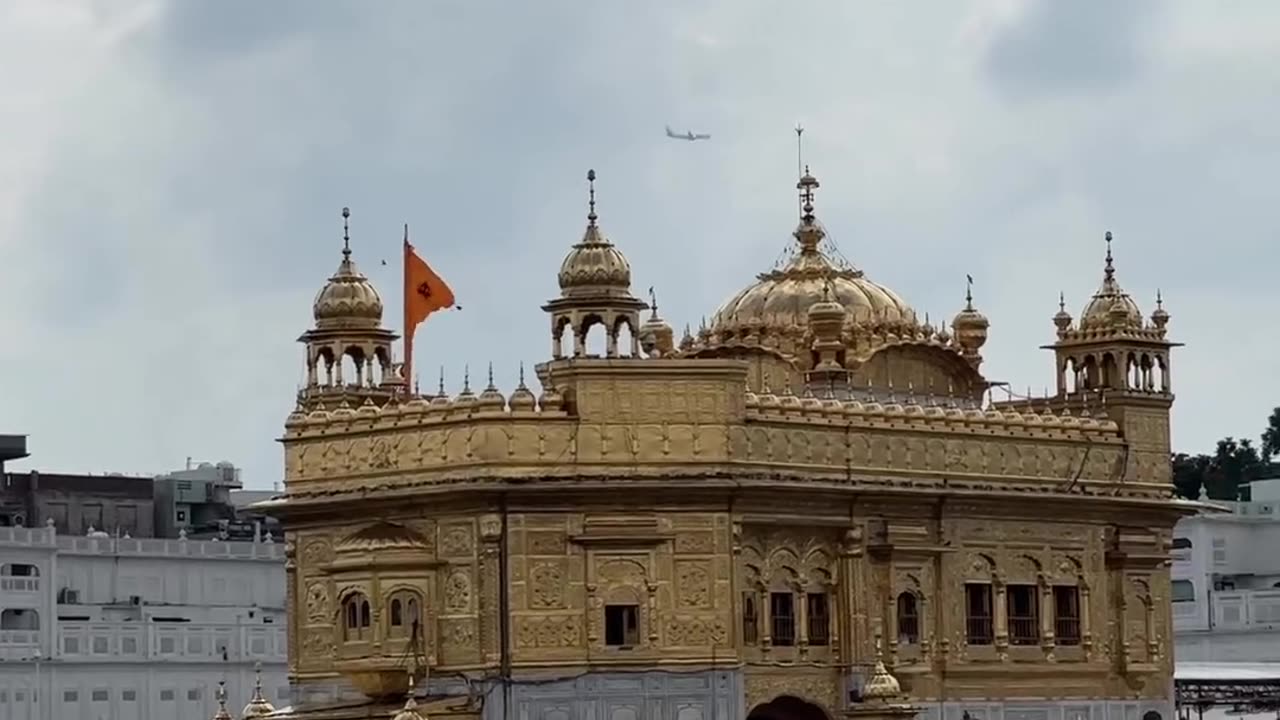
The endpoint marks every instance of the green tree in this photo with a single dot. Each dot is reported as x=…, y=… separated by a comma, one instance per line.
x=1271, y=436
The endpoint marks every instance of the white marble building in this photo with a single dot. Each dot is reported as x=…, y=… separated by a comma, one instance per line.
x=1226, y=582
x=104, y=628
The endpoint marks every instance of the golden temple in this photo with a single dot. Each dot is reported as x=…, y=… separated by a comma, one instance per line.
x=687, y=530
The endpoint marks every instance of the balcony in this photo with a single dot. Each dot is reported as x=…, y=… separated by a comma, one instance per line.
x=19, y=584
x=19, y=644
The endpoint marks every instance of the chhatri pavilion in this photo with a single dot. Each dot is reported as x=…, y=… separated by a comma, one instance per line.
x=811, y=499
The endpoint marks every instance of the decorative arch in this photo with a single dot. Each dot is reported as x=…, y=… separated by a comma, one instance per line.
x=356, y=616
x=788, y=707
x=404, y=614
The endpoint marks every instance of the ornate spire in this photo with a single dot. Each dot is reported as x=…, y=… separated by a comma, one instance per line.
x=1109, y=271
x=410, y=709
x=881, y=686
x=653, y=303
x=346, y=232
x=810, y=233
x=223, y=713
x=591, y=198
x=258, y=706
x=968, y=293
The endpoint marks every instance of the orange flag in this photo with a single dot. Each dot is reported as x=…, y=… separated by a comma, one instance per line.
x=424, y=293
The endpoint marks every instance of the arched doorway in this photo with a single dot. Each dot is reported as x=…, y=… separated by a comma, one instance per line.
x=788, y=707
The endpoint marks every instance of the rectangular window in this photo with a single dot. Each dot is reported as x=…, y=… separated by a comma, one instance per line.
x=99, y=695
x=750, y=619
x=621, y=625
x=101, y=645
x=129, y=646
x=908, y=619
x=129, y=696
x=193, y=694
x=166, y=696
x=70, y=696
x=819, y=619
x=71, y=646
x=782, y=612
x=1183, y=591
x=1066, y=614
x=978, y=626
x=1023, y=608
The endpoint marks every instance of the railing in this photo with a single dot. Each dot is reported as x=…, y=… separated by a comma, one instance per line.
x=28, y=536
x=19, y=644
x=83, y=545
x=19, y=637
x=19, y=583
x=172, y=548
x=171, y=642
x=1246, y=608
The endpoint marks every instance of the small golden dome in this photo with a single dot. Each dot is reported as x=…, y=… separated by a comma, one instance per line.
x=1160, y=316
x=348, y=300
x=382, y=537
x=656, y=336
x=1062, y=318
x=780, y=300
x=490, y=398
x=466, y=399
x=594, y=266
x=970, y=326
x=1110, y=307
x=522, y=400
x=881, y=686
x=258, y=706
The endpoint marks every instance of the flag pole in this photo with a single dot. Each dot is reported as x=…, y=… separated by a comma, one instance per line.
x=404, y=292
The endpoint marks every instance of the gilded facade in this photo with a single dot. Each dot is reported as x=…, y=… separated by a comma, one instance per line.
x=813, y=482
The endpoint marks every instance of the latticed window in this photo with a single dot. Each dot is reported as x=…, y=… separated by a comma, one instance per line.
x=908, y=619
x=1066, y=614
x=979, y=629
x=750, y=619
x=1023, y=608
x=818, y=616
x=782, y=614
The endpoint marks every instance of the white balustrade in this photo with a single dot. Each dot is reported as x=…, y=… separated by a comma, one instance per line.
x=177, y=642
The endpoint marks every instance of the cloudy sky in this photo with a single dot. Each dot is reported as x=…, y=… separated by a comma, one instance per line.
x=173, y=175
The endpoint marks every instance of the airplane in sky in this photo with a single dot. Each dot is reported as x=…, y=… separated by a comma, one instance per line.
x=687, y=135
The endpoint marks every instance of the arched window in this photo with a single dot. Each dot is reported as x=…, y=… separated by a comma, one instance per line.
x=908, y=619
x=356, y=619
x=404, y=613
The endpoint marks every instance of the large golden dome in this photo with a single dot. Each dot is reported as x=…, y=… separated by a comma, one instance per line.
x=348, y=300
x=780, y=299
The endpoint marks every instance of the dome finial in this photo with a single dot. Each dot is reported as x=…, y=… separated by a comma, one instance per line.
x=223, y=713
x=653, y=304
x=442, y=383
x=1062, y=301
x=1110, y=269
x=346, y=232
x=968, y=293
x=808, y=183
x=591, y=198
x=521, y=373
